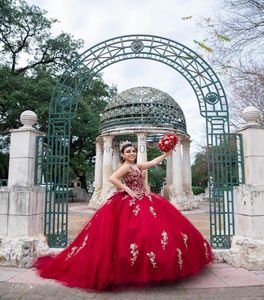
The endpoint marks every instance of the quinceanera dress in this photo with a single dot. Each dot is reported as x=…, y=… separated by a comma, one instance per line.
x=130, y=241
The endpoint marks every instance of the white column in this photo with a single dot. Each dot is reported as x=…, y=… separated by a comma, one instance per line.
x=98, y=165
x=142, y=150
x=249, y=204
x=26, y=201
x=169, y=171
x=142, y=147
x=177, y=189
x=167, y=188
x=22, y=152
x=186, y=167
x=116, y=159
x=247, y=249
x=107, y=165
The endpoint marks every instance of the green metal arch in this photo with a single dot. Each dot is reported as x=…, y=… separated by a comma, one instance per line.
x=212, y=103
x=190, y=65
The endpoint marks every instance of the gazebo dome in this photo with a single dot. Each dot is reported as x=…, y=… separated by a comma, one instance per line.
x=142, y=107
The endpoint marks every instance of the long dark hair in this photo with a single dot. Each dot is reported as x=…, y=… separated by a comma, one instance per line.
x=123, y=148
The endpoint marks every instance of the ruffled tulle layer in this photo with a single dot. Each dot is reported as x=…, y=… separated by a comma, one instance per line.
x=130, y=241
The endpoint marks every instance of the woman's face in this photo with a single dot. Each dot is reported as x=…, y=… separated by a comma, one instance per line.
x=129, y=154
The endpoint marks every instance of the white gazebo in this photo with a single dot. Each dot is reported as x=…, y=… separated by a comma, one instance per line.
x=142, y=115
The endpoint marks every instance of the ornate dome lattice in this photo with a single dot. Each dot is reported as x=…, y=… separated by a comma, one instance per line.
x=142, y=107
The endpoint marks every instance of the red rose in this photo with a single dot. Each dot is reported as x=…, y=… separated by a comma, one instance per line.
x=168, y=142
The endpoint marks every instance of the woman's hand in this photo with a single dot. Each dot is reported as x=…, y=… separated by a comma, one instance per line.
x=147, y=188
x=133, y=194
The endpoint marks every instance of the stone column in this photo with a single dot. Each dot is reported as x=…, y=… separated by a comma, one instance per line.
x=142, y=150
x=168, y=186
x=249, y=204
x=107, y=187
x=23, y=151
x=98, y=173
x=22, y=203
x=247, y=248
x=177, y=188
x=186, y=168
x=116, y=159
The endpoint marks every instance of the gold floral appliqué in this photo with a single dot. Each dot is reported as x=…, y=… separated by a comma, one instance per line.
x=134, y=253
x=185, y=239
x=132, y=201
x=206, y=251
x=164, y=239
x=180, y=260
x=136, y=210
x=152, y=211
x=70, y=254
x=152, y=258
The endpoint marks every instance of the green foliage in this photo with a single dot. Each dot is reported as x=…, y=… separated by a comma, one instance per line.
x=19, y=93
x=199, y=170
x=85, y=128
x=157, y=174
x=25, y=35
x=156, y=178
x=203, y=46
x=31, y=62
x=197, y=190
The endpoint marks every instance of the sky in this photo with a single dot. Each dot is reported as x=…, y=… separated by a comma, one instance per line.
x=99, y=20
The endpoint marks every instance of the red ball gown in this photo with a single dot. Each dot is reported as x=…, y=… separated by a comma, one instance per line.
x=130, y=241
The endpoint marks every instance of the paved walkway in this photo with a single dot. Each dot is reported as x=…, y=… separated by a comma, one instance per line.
x=218, y=281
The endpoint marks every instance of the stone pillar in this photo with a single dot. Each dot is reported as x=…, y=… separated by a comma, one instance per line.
x=98, y=173
x=186, y=168
x=22, y=203
x=177, y=188
x=22, y=152
x=249, y=204
x=107, y=187
x=98, y=164
x=168, y=186
x=142, y=150
x=248, y=243
x=116, y=158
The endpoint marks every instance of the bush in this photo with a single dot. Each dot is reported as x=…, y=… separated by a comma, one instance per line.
x=198, y=189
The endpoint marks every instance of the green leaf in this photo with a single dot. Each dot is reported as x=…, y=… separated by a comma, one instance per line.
x=203, y=46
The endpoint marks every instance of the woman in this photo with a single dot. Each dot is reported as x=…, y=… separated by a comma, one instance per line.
x=136, y=237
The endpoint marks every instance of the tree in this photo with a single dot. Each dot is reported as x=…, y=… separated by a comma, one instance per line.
x=26, y=41
x=92, y=104
x=200, y=170
x=236, y=38
x=156, y=175
x=20, y=92
x=31, y=62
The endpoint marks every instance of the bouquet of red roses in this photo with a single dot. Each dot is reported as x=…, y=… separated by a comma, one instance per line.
x=168, y=142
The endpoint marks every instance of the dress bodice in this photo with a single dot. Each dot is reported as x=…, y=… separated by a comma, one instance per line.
x=135, y=180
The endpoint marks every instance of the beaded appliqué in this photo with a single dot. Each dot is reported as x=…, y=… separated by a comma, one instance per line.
x=149, y=197
x=152, y=258
x=185, y=239
x=83, y=244
x=180, y=260
x=164, y=240
x=152, y=211
x=134, y=253
x=132, y=201
x=136, y=210
x=70, y=254
x=206, y=250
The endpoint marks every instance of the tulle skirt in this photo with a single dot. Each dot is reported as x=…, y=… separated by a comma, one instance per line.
x=129, y=241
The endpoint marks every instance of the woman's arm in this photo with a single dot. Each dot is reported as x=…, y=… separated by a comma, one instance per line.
x=155, y=161
x=115, y=180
